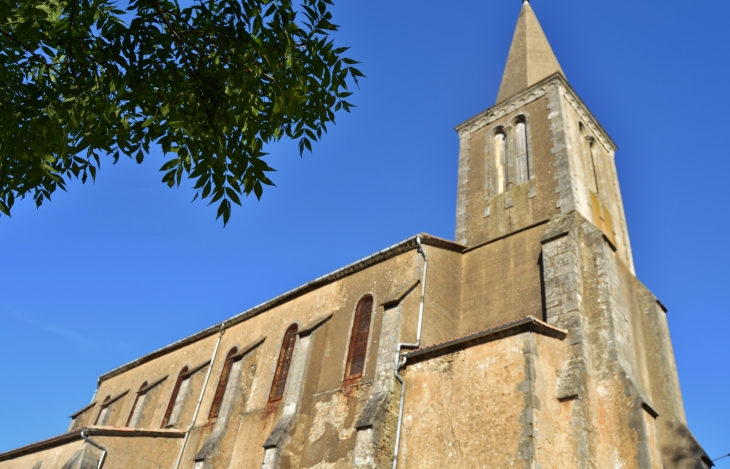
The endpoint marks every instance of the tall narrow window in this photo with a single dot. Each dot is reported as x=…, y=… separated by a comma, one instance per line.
x=593, y=151
x=137, y=406
x=359, y=338
x=282, y=366
x=500, y=162
x=522, y=160
x=220, y=391
x=182, y=379
x=103, y=412
x=589, y=158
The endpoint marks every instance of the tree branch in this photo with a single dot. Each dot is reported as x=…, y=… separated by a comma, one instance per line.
x=180, y=43
x=36, y=56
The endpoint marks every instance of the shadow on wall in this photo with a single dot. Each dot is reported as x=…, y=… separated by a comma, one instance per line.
x=542, y=288
x=82, y=459
x=683, y=450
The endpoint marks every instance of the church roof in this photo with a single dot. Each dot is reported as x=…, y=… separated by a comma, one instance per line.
x=358, y=266
x=531, y=59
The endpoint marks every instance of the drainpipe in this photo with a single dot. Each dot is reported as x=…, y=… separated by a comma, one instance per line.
x=400, y=360
x=94, y=443
x=200, y=398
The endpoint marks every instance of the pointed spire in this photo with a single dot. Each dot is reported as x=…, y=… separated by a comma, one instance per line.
x=531, y=58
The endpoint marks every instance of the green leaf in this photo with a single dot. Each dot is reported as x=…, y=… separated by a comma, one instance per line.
x=126, y=84
x=170, y=164
x=224, y=209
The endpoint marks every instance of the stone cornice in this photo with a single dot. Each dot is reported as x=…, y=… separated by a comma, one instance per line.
x=534, y=93
x=527, y=324
x=494, y=113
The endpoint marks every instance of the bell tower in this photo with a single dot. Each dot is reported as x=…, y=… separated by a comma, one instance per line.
x=541, y=215
x=537, y=153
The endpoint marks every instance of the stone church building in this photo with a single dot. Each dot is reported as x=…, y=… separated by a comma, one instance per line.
x=528, y=342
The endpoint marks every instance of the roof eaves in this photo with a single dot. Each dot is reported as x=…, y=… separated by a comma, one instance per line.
x=362, y=264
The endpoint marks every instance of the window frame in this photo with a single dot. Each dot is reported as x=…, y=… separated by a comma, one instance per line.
x=182, y=376
x=364, y=339
x=220, y=391
x=283, y=364
x=104, y=405
x=142, y=391
x=500, y=152
x=527, y=175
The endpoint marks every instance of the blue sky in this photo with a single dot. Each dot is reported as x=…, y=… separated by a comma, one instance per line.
x=116, y=269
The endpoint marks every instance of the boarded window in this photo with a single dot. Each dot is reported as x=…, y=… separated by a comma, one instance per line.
x=137, y=406
x=182, y=377
x=359, y=338
x=282, y=366
x=500, y=162
x=103, y=412
x=522, y=160
x=220, y=391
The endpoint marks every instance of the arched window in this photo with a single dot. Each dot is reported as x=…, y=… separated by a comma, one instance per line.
x=174, y=404
x=522, y=159
x=137, y=405
x=500, y=162
x=359, y=338
x=103, y=412
x=282, y=366
x=220, y=391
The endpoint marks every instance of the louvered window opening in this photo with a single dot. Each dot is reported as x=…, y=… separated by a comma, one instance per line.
x=137, y=398
x=173, y=398
x=500, y=162
x=359, y=338
x=282, y=366
x=522, y=161
x=220, y=391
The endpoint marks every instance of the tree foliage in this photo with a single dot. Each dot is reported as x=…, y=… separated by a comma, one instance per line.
x=209, y=83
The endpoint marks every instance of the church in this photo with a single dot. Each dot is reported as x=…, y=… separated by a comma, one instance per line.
x=527, y=342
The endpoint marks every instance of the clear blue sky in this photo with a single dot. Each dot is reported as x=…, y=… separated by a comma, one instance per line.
x=113, y=270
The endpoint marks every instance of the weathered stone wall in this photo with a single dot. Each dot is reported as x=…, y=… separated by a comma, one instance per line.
x=463, y=409
x=315, y=423
x=555, y=423
x=620, y=365
x=502, y=281
x=592, y=158
x=51, y=458
x=139, y=452
x=489, y=404
x=483, y=214
x=606, y=396
x=442, y=312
